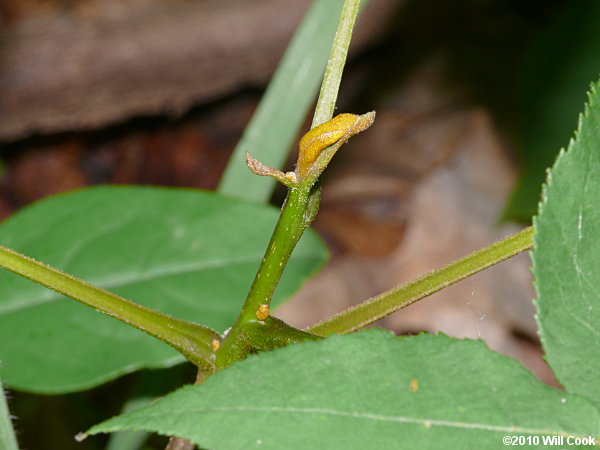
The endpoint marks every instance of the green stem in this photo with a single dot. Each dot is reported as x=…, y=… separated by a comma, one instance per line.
x=403, y=295
x=292, y=221
x=295, y=216
x=335, y=66
x=286, y=235
x=191, y=340
x=300, y=207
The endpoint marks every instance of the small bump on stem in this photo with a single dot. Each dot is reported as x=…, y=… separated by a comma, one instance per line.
x=262, y=312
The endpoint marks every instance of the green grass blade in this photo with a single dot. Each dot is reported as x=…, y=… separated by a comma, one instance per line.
x=8, y=441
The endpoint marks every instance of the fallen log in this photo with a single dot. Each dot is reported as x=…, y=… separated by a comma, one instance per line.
x=73, y=71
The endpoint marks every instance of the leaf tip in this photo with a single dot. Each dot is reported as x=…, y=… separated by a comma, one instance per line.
x=258, y=168
x=80, y=437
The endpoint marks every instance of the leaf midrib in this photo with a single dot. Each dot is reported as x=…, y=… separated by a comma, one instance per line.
x=362, y=415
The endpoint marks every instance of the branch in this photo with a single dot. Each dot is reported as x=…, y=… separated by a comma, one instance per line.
x=405, y=294
x=191, y=340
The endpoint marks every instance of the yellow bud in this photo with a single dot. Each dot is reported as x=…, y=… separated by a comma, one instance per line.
x=321, y=137
x=413, y=386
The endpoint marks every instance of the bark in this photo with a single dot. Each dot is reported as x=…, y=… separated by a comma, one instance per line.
x=74, y=71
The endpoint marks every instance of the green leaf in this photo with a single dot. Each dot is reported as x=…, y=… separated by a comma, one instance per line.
x=186, y=253
x=368, y=390
x=148, y=385
x=559, y=67
x=8, y=441
x=130, y=440
x=285, y=104
x=566, y=259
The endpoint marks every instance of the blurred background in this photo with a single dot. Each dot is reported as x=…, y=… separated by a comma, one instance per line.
x=474, y=99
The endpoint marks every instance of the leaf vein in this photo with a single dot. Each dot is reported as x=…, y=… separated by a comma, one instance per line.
x=378, y=417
